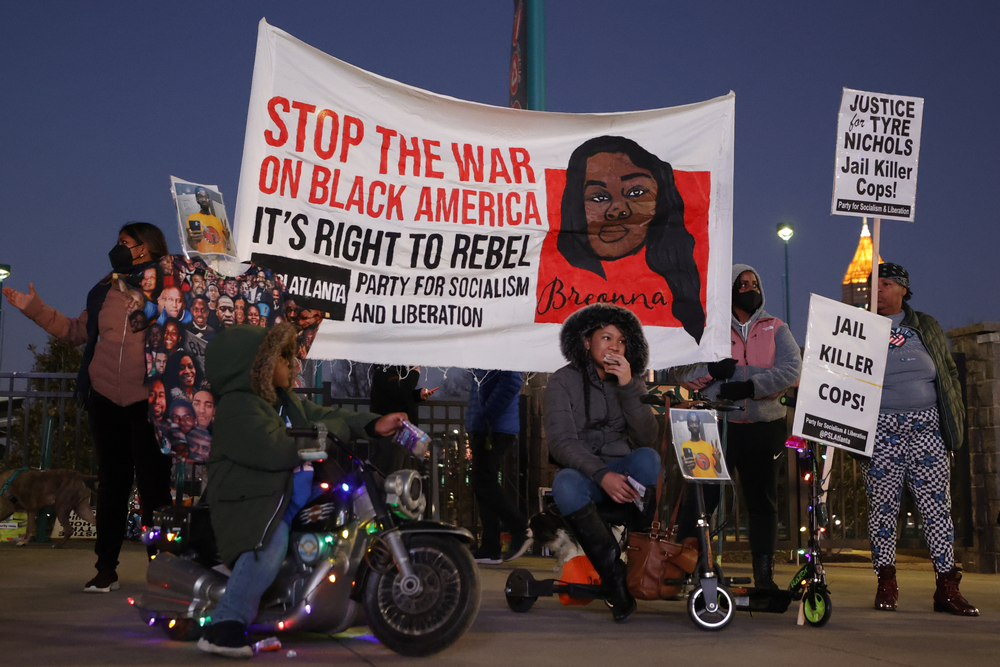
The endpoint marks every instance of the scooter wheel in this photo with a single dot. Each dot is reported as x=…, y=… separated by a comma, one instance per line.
x=817, y=607
x=711, y=619
x=518, y=581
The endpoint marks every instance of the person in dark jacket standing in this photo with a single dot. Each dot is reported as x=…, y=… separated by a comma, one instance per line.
x=766, y=361
x=921, y=419
x=256, y=482
x=394, y=389
x=492, y=420
x=111, y=387
x=599, y=431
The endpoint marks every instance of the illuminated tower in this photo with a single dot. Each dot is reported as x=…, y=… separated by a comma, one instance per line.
x=855, y=287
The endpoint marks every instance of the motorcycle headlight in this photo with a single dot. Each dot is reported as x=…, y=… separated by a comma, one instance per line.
x=404, y=494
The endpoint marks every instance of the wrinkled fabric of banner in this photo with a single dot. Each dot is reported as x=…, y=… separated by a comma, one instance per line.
x=432, y=231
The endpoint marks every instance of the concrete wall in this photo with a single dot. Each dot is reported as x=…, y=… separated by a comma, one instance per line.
x=980, y=343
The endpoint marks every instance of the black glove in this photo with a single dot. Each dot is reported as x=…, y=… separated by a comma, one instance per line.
x=722, y=370
x=736, y=391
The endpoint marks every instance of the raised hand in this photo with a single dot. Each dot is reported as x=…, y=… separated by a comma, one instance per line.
x=20, y=300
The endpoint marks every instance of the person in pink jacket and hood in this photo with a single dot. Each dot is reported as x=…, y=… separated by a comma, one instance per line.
x=765, y=362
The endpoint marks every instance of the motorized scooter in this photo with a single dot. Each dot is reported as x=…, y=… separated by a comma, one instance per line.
x=710, y=604
x=361, y=544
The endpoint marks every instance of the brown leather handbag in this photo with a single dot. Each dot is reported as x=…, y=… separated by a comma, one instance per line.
x=650, y=555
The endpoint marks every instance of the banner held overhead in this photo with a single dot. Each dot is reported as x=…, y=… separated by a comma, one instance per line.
x=463, y=234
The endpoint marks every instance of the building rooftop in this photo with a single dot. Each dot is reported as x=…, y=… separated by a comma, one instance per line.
x=861, y=265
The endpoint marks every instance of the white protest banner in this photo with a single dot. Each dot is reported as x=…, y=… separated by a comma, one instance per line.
x=840, y=388
x=878, y=146
x=433, y=231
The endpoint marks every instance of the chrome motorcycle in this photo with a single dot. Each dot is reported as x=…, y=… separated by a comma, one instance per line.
x=361, y=545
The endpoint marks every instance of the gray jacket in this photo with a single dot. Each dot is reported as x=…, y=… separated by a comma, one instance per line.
x=618, y=422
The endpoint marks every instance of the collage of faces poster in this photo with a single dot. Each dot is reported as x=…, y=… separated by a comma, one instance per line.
x=185, y=304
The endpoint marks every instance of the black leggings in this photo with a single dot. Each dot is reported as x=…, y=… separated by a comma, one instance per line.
x=126, y=448
x=754, y=451
x=494, y=504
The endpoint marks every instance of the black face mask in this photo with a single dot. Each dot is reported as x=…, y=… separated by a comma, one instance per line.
x=121, y=257
x=748, y=302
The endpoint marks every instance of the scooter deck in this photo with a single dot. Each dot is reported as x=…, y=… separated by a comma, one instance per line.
x=771, y=601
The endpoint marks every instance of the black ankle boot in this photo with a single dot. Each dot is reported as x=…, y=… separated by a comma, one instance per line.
x=763, y=572
x=604, y=553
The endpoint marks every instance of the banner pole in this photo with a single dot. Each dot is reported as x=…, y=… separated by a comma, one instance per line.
x=876, y=232
x=536, y=54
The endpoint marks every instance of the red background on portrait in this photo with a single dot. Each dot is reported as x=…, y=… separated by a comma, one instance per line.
x=627, y=275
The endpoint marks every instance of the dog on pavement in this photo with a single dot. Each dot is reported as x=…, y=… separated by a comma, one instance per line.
x=549, y=529
x=32, y=489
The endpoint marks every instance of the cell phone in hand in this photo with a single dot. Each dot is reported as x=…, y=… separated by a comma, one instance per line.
x=641, y=490
x=194, y=225
x=688, y=454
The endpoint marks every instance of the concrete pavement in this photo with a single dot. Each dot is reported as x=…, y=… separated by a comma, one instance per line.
x=46, y=619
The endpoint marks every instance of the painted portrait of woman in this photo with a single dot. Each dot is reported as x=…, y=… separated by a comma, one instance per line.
x=621, y=200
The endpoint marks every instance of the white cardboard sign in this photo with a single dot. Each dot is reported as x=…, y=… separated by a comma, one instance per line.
x=878, y=146
x=843, y=366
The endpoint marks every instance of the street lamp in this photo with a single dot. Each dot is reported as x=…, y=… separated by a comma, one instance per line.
x=4, y=273
x=785, y=232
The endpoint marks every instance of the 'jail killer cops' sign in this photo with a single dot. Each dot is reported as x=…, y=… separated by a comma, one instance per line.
x=842, y=369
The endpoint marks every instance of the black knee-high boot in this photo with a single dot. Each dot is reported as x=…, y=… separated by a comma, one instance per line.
x=605, y=555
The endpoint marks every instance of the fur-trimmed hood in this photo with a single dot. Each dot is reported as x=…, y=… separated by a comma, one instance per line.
x=584, y=322
x=241, y=358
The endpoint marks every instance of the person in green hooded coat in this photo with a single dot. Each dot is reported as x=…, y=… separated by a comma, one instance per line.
x=256, y=482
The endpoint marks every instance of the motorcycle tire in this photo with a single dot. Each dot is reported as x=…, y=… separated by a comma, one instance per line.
x=434, y=619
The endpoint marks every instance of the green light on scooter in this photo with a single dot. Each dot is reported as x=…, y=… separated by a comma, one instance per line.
x=372, y=528
x=802, y=552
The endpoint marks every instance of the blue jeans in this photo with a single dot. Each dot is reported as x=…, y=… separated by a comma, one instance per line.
x=572, y=490
x=253, y=573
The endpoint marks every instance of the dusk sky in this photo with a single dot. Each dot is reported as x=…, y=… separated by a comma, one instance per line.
x=103, y=101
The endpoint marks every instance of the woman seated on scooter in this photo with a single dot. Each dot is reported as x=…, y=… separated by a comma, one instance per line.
x=601, y=434
x=256, y=482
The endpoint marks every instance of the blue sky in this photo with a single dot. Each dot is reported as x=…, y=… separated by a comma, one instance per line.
x=103, y=101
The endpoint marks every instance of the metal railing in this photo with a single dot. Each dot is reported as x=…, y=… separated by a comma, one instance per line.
x=451, y=495
x=26, y=401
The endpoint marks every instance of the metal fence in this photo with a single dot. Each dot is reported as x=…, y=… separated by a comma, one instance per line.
x=450, y=492
x=26, y=400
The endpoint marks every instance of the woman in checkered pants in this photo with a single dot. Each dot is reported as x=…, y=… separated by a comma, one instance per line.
x=920, y=423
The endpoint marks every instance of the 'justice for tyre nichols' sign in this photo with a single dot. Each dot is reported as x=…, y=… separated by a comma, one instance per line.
x=878, y=145
x=842, y=370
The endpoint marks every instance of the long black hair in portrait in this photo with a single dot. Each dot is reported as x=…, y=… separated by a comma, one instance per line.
x=669, y=245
